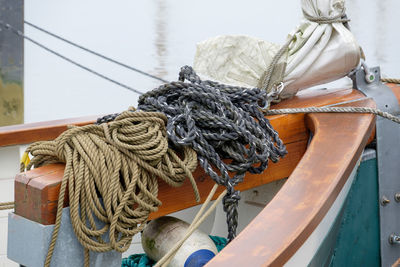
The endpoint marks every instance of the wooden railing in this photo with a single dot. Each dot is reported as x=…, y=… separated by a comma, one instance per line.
x=316, y=176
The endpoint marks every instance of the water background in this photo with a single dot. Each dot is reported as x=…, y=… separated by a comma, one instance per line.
x=160, y=36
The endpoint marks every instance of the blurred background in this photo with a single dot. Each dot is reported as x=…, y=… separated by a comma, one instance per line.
x=160, y=36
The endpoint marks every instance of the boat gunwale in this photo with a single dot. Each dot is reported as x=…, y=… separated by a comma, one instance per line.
x=283, y=226
x=264, y=248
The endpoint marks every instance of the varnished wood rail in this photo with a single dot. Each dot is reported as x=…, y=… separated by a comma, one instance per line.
x=39, y=131
x=36, y=191
x=280, y=229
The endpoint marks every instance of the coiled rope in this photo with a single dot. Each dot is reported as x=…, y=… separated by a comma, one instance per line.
x=219, y=122
x=119, y=162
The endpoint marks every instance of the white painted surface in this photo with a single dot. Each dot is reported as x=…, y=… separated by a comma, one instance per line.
x=9, y=165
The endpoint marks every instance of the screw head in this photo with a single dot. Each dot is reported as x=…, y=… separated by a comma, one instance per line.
x=397, y=197
x=384, y=201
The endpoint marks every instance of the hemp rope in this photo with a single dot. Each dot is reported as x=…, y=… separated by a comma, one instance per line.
x=10, y=205
x=6, y=205
x=118, y=161
x=219, y=122
x=390, y=80
x=365, y=110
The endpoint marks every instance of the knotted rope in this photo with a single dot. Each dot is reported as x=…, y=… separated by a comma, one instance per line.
x=219, y=122
x=340, y=18
x=119, y=162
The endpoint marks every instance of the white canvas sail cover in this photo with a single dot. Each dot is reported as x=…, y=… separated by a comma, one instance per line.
x=317, y=52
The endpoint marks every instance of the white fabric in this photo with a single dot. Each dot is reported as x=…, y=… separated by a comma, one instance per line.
x=319, y=53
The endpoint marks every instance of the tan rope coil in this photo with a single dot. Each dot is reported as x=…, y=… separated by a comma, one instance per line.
x=119, y=162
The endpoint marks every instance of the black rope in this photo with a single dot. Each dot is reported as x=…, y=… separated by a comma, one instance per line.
x=95, y=53
x=218, y=122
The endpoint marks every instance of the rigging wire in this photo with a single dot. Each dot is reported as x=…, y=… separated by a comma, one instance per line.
x=94, y=52
x=22, y=35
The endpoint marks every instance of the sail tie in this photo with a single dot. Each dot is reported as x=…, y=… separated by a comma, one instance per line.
x=272, y=79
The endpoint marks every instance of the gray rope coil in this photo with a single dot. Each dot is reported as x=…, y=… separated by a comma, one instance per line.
x=219, y=122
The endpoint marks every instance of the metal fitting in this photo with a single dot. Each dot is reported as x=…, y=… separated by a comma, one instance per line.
x=384, y=201
x=394, y=239
x=397, y=197
x=370, y=77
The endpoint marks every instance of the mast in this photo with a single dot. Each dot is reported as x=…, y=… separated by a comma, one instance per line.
x=11, y=64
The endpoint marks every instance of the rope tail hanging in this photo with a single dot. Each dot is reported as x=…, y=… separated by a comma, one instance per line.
x=219, y=122
x=112, y=167
x=118, y=162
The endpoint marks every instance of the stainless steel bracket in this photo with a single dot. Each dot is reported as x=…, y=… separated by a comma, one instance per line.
x=388, y=157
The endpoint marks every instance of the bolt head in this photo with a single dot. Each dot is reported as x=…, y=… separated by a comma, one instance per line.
x=384, y=201
x=397, y=197
x=370, y=78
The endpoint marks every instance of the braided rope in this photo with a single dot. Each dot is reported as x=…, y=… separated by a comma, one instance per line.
x=218, y=122
x=6, y=205
x=119, y=162
x=390, y=80
x=366, y=110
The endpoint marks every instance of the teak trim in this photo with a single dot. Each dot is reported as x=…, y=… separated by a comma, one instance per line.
x=289, y=219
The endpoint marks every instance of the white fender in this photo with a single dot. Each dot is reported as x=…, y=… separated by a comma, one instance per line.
x=161, y=234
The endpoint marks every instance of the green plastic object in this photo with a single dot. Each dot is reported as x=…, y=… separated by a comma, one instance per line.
x=141, y=260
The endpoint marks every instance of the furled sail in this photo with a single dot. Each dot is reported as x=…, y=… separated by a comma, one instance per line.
x=321, y=49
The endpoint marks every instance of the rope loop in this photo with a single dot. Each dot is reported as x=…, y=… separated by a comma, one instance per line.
x=219, y=122
x=111, y=174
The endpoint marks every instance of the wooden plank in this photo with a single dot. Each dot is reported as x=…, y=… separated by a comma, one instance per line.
x=291, y=128
x=36, y=191
x=39, y=131
x=290, y=218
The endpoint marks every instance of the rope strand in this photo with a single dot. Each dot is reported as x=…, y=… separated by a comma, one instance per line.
x=219, y=122
x=366, y=110
x=118, y=162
